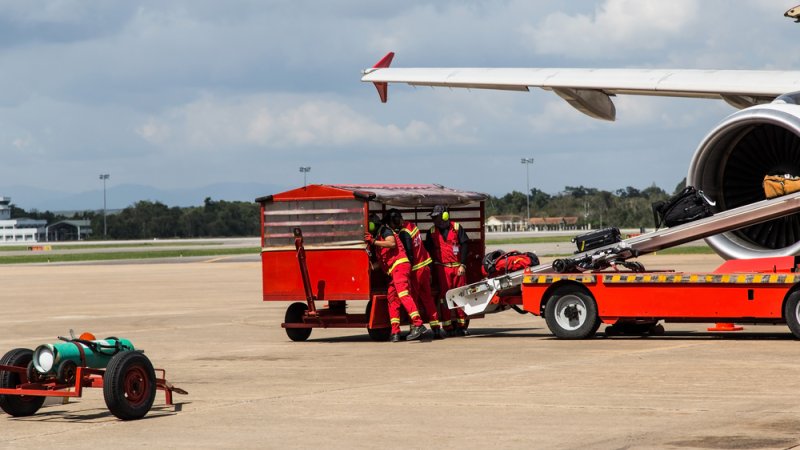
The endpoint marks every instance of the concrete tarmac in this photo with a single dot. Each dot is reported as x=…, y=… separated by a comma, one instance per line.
x=509, y=385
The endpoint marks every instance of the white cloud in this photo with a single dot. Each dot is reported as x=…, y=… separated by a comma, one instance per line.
x=615, y=28
x=212, y=123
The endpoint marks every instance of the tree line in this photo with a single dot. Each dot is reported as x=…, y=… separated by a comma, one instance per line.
x=147, y=220
x=628, y=208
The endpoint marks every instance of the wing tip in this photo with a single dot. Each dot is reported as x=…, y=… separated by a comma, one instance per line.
x=383, y=87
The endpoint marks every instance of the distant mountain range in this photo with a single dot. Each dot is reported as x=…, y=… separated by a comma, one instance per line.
x=124, y=195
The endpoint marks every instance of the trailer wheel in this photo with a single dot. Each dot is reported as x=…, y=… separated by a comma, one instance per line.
x=791, y=313
x=294, y=314
x=571, y=313
x=17, y=405
x=377, y=334
x=66, y=372
x=129, y=385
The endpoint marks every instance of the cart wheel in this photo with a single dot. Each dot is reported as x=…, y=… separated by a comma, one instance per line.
x=377, y=334
x=294, y=314
x=129, y=385
x=33, y=375
x=571, y=313
x=791, y=313
x=66, y=372
x=657, y=330
x=17, y=405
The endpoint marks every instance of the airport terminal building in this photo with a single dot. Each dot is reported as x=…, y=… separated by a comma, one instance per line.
x=32, y=230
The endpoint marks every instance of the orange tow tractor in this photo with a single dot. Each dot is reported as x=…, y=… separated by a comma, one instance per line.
x=313, y=252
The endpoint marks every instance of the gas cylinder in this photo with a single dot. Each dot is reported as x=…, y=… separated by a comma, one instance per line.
x=96, y=353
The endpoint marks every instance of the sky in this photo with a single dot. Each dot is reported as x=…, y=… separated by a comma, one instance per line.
x=189, y=93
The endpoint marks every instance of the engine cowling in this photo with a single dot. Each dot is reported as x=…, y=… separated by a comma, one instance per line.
x=730, y=165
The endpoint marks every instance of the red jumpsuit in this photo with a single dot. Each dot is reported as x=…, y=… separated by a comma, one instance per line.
x=421, y=274
x=394, y=262
x=446, y=255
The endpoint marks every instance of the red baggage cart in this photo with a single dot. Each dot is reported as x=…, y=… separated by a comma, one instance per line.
x=313, y=252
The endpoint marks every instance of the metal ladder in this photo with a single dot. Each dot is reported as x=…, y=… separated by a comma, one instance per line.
x=476, y=298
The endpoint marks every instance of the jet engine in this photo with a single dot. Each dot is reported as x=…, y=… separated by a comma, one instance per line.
x=731, y=163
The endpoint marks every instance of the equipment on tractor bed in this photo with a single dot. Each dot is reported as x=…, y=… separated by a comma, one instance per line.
x=63, y=369
x=313, y=251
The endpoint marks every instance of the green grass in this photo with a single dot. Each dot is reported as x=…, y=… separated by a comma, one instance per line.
x=17, y=248
x=111, y=256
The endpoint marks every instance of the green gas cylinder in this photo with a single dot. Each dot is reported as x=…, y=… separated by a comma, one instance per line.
x=96, y=353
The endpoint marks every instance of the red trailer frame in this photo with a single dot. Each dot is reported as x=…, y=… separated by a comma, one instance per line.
x=754, y=291
x=312, y=249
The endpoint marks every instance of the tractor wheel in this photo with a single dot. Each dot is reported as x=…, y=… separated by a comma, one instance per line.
x=17, y=405
x=377, y=334
x=571, y=313
x=129, y=385
x=791, y=313
x=294, y=314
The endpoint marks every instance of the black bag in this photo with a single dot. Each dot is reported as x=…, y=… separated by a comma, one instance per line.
x=597, y=239
x=687, y=206
x=499, y=262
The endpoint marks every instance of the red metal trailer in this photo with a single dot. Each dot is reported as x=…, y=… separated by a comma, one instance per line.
x=755, y=291
x=313, y=252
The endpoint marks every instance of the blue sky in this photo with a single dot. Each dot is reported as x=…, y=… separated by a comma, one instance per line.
x=189, y=93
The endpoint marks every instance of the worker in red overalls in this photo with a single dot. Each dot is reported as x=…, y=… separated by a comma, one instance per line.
x=420, y=262
x=392, y=258
x=447, y=243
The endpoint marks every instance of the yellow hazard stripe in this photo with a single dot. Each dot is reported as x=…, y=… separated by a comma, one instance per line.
x=422, y=264
x=411, y=233
x=701, y=279
x=399, y=261
x=549, y=279
x=402, y=294
x=451, y=264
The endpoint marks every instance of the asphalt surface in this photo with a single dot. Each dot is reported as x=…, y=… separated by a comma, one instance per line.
x=508, y=385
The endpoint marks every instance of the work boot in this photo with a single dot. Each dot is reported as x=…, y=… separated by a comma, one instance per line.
x=395, y=338
x=416, y=333
x=451, y=333
x=439, y=333
x=462, y=332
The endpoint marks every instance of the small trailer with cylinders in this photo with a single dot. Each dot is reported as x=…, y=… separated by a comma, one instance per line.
x=313, y=252
x=63, y=369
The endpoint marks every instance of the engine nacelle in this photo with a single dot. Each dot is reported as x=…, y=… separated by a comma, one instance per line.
x=730, y=165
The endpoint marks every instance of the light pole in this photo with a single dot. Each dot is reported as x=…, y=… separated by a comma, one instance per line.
x=104, y=177
x=528, y=162
x=305, y=171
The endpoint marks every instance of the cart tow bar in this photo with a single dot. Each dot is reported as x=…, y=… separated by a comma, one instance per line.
x=301, y=259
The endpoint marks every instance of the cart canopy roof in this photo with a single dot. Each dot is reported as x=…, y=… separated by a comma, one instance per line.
x=406, y=195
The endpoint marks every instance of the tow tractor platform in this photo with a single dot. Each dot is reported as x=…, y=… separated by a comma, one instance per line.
x=576, y=295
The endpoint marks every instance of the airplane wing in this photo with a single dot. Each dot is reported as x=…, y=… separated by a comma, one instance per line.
x=589, y=90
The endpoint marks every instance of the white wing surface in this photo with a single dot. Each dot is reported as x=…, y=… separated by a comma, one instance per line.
x=589, y=90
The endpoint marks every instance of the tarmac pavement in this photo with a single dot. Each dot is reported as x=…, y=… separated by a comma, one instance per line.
x=508, y=385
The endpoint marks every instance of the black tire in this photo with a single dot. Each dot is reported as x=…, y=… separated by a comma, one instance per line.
x=294, y=314
x=17, y=405
x=791, y=313
x=66, y=372
x=571, y=313
x=377, y=334
x=129, y=385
